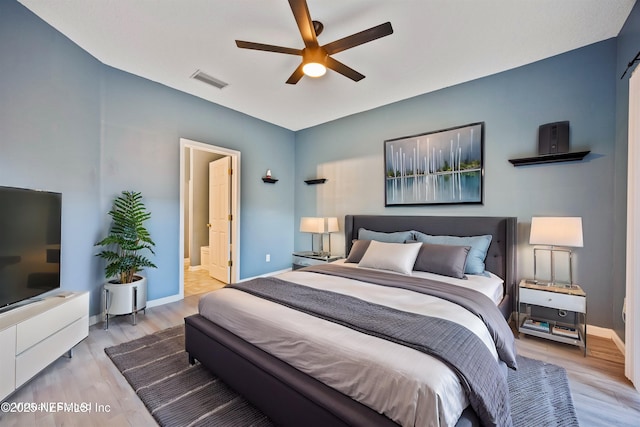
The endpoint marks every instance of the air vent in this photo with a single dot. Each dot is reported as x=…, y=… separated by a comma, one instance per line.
x=206, y=78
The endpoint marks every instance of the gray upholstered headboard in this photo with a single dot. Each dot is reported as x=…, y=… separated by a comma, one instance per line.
x=501, y=257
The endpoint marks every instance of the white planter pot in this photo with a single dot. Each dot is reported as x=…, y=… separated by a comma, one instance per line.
x=125, y=298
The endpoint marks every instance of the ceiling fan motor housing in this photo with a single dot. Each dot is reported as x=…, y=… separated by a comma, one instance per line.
x=314, y=55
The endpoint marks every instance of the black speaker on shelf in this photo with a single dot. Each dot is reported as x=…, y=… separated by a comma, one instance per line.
x=553, y=138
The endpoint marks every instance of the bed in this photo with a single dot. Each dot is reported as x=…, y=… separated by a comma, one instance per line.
x=292, y=397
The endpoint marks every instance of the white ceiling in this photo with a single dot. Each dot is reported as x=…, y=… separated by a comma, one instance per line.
x=435, y=44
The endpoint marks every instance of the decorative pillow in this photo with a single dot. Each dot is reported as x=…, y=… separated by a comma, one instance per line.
x=358, y=248
x=477, y=254
x=396, y=237
x=398, y=257
x=446, y=260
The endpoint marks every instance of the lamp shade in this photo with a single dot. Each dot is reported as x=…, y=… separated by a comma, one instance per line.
x=332, y=225
x=556, y=231
x=311, y=225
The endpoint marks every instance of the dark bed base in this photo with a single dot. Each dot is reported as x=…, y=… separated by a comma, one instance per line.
x=290, y=397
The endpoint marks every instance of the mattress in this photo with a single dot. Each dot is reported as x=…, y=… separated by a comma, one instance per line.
x=406, y=385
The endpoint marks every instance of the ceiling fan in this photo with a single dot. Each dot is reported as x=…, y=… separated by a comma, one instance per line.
x=315, y=58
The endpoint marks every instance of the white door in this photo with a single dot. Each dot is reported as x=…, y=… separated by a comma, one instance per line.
x=220, y=219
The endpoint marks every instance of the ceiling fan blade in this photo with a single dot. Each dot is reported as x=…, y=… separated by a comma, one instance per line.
x=339, y=67
x=296, y=76
x=357, y=39
x=305, y=25
x=268, y=47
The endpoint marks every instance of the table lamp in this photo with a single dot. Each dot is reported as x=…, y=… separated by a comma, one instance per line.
x=560, y=234
x=331, y=226
x=312, y=225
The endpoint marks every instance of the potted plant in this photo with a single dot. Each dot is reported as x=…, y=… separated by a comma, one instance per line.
x=124, y=248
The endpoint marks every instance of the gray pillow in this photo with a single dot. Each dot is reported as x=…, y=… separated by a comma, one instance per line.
x=446, y=260
x=379, y=236
x=358, y=248
x=477, y=254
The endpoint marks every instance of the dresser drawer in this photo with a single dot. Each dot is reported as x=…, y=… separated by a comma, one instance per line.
x=37, y=328
x=575, y=303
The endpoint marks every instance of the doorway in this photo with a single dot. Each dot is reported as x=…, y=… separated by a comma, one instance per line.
x=194, y=251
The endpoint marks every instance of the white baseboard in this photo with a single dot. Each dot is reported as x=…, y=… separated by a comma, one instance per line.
x=619, y=343
x=606, y=333
x=600, y=332
x=165, y=300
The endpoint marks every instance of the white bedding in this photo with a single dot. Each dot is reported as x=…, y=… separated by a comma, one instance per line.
x=491, y=286
x=408, y=386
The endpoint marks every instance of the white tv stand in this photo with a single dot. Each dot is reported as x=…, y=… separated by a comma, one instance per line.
x=34, y=335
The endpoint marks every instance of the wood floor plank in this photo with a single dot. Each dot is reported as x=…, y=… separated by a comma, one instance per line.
x=601, y=394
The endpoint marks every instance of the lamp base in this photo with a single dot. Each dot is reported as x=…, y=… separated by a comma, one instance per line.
x=553, y=282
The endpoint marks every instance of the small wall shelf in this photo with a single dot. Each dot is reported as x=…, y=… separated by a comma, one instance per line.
x=316, y=181
x=269, y=180
x=549, y=158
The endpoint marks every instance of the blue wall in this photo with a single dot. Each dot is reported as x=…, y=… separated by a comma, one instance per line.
x=73, y=125
x=50, y=121
x=578, y=86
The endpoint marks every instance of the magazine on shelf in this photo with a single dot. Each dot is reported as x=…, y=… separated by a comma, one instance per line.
x=536, y=325
x=565, y=331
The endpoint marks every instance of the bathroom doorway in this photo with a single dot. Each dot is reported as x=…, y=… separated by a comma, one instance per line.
x=197, y=260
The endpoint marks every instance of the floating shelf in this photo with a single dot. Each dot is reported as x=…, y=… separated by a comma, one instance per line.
x=316, y=181
x=549, y=158
x=269, y=180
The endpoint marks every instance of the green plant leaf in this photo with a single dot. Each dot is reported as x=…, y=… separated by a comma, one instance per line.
x=127, y=238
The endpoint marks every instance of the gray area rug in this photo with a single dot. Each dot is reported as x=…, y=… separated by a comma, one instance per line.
x=177, y=394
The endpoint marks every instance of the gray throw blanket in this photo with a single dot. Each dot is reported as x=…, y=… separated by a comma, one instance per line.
x=450, y=342
x=475, y=302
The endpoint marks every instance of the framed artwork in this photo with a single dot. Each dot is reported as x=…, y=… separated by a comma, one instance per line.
x=435, y=168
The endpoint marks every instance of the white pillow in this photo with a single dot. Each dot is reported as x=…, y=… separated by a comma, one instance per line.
x=398, y=257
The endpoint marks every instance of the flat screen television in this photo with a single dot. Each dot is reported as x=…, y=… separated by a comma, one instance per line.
x=30, y=231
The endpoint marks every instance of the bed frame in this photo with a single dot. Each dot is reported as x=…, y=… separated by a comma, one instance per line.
x=292, y=398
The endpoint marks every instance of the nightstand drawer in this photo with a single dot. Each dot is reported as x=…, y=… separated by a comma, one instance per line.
x=553, y=300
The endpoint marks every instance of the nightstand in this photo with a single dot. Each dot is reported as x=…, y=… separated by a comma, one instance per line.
x=305, y=259
x=569, y=300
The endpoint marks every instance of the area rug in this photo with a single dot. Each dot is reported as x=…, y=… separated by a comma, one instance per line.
x=177, y=394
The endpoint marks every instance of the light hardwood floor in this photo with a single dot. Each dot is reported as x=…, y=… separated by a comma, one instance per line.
x=602, y=396
x=198, y=282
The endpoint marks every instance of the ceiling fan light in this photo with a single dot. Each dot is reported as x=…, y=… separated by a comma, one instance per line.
x=314, y=69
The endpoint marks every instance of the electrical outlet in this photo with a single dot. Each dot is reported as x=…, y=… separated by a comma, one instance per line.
x=267, y=258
